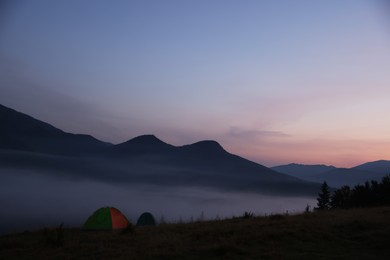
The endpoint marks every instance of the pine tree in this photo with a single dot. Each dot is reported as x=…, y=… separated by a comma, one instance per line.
x=323, y=200
x=341, y=198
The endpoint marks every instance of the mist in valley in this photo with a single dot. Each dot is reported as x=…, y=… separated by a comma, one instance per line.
x=32, y=199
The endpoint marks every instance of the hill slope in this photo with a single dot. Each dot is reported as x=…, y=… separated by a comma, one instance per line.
x=25, y=133
x=381, y=166
x=348, y=234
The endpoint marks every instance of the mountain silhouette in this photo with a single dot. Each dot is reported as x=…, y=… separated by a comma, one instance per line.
x=337, y=177
x=144, y=144
x=303, y=171
x=35, y=145
x=381, y=166
x=203, y=147
x=22, y=132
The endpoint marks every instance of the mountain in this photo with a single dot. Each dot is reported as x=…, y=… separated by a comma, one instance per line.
x=25, y=133
x=205, y=164
x=345, y=176
x=144, y=144
x=303, y=171
x=337, y=177
x=381, y=166
x=198, y=159
x=37, y=146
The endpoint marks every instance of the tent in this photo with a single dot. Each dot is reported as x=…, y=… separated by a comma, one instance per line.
x=146, y=219
x=107, y=218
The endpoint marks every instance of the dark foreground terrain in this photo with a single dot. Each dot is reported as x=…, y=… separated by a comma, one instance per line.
x=348, y=234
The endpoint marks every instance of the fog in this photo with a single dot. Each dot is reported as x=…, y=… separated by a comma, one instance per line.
x=32, y=200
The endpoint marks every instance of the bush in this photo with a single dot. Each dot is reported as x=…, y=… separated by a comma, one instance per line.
x=248, y=214
x=54, y=237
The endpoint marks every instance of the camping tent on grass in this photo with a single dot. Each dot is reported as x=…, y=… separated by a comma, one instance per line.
x=146, y=219
x=107, y=218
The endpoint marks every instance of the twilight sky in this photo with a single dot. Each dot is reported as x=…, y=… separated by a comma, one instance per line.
x=273, y=81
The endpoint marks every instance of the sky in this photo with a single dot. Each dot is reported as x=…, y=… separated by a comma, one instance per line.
x=273, y=81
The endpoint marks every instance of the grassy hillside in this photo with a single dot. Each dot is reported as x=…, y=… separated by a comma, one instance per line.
x=344, y=234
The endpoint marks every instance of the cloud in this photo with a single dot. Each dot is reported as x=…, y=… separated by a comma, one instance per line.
x=237, y=132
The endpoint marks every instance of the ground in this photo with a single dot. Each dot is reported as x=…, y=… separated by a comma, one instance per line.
x=341, y=234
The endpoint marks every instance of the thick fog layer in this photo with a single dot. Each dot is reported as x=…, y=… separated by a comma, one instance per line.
x=31, y=200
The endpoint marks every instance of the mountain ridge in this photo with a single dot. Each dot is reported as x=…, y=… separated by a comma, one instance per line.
x=335, y=176
x=144, y=159
x=142, y=144
x=21, y=132
x=26, y=133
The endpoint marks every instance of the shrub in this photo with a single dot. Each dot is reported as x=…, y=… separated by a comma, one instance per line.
x=54, y=237
x=248, y=214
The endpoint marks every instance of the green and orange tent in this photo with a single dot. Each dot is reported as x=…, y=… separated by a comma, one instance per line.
x=107, y=218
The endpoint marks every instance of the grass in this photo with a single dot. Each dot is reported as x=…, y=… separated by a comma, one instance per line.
x=342, y=234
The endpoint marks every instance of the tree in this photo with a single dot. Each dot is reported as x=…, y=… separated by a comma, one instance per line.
x=384, y=190
x=323, y=200
x=341, y=198
x=361, y=196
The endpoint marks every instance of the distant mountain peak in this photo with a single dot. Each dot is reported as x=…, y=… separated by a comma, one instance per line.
x=148, y=138
x=205, y=147
x=300, y=170
x=380, y=166
x=209, y=143
x=307, y=165
x=143, y=143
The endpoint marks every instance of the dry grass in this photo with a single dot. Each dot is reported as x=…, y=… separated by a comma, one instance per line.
x=348, y=234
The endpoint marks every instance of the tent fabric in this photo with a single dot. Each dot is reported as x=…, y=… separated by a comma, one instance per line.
x=146, y=219
x=119, y=221
x=107, y=218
